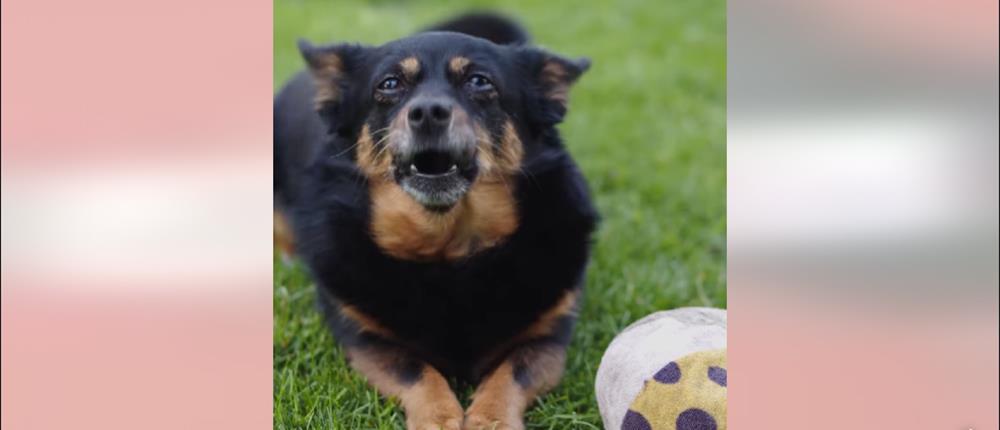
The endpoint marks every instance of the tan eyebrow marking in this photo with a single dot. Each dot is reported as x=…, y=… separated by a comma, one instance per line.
x=410, y=66
x=457, y=65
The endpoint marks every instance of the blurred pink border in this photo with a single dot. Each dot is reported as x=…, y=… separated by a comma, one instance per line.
x=118, y=100
x=799, y=363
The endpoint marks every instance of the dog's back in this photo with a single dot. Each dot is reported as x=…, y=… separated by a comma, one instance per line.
x=489, y=26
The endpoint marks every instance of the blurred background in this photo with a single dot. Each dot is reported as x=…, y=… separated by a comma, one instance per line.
x=862, y=160
x=646, y=125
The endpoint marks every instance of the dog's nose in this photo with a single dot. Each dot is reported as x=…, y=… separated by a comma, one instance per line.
x=430, y=116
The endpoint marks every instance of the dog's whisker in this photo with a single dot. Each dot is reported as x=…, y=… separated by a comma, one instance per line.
x=386, y=137
x=381, y=130
x=358, y=142
x=345, y=151
x=384, y=148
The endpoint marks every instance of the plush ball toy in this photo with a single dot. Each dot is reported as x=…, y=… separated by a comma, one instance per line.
x=666, y=371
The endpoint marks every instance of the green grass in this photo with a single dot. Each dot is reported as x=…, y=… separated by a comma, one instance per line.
x=647, y=126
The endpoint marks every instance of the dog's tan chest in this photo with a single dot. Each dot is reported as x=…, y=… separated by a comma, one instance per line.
x=403, y=229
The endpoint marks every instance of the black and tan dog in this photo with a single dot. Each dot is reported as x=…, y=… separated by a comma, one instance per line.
x=446, y=227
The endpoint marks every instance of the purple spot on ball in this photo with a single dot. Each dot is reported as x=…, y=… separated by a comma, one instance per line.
x=717, y=375
x=695, y=419
x=635, y=421
x=669, y=374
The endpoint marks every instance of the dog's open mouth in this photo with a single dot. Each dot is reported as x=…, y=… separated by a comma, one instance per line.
x=436, y=179
x=433, y=163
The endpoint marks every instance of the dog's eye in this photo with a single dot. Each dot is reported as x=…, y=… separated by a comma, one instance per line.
x=390, y=84
x=479, y=82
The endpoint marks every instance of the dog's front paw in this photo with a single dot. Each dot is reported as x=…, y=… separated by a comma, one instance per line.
x=438, y=417
x=446, y=424
x=479, y=421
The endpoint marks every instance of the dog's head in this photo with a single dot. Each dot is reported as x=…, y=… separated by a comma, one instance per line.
x=438, y=111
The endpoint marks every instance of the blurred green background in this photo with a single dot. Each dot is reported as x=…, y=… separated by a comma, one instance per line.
x=647, y=124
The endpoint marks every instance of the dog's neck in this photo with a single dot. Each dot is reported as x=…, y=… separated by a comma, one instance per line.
x=406, y=230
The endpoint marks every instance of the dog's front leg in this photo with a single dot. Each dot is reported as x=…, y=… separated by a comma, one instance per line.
x=424, y=393
x=502, y=397
x=531, y=368
x=393, y=370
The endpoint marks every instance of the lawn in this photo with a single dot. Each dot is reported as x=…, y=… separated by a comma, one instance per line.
x=647, y=124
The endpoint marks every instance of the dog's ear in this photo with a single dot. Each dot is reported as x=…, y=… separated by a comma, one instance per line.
x=331, y=67
x=552, y=75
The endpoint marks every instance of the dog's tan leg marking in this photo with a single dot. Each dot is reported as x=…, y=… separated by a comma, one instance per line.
x=365, y=323
x=529, y=370
x=546, y=324
x=501, y=399
x=428, y=401
x=498, y=402
x=284, y=239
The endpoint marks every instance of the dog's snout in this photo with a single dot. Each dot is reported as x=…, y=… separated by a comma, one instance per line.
x=430, y=116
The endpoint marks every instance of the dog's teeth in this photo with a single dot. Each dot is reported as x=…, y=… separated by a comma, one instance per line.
x=413, y=168
x=454, y=168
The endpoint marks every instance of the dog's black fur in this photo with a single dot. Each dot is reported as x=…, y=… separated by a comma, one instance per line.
x=451, y=314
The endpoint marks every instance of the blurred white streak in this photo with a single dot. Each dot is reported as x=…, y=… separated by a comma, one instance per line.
x=852, y=178
x=175, y=224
